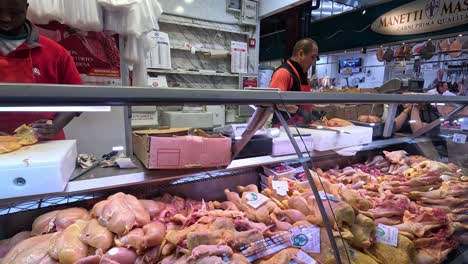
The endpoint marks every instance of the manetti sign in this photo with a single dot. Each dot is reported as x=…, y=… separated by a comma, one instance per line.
x=422, y=16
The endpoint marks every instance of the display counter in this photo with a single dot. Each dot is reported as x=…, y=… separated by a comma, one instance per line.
x=391, y=198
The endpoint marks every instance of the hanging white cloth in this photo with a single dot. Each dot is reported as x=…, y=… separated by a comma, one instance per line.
x=83, y=14
x=44, y=11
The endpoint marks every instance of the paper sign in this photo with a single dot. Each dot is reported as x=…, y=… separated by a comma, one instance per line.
x=125, y=163
x=387, y=235
x=308, y=239
x=459, y=138
x=331, y=197
x=255, y=199
x=464, y=124
x=305, y=258
x=281, y=187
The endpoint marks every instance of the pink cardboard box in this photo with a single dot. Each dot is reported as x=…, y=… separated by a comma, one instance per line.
x=170, y=149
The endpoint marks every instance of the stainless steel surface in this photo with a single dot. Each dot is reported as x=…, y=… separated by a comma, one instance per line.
x=53, y=95
x=390, y=121
x=305, y=166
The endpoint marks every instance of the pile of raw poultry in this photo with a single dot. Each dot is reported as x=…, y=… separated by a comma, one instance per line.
x=425, y=200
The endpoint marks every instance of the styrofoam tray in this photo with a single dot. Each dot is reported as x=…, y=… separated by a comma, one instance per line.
x=283, y=146
x=42, y=168
x=329, y=140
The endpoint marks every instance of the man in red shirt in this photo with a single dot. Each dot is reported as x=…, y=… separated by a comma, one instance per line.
x=292, y=76
x=27, y=57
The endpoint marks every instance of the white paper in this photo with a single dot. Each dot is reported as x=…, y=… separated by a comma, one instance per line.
x=331, y=197
x=464, y=125
x=387, y=235
x=125, y=163
x=238, y=57
x=255, y=199
x=306, y=238
x=305, y=258
x=459, y=138
x=281, y=187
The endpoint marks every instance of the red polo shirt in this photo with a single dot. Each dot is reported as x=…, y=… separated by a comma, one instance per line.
x=52, y=64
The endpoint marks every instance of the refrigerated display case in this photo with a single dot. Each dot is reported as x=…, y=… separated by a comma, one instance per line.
x=401, y=199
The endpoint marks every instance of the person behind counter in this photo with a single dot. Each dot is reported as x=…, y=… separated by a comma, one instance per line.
x=27, y=57
x=292, y=76
x=411, y=118
x=442, y=88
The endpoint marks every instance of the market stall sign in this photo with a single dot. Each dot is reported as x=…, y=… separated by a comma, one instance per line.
x=422, y=16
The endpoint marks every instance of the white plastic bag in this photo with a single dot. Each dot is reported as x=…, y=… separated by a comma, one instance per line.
x=115, y=5
x=45, y=11
x=83, y=14
x=138, y=19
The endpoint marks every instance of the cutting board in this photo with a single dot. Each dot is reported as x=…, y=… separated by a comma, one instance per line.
x=329, y=140
x=42, y=168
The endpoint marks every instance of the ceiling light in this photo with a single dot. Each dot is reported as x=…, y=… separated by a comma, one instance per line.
x=188, y=1
x=364, y=12
x=179, y=10
x=460, y=35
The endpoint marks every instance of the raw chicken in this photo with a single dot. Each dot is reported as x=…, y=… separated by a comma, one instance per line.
x=12, y=242
x=66, y=217
x=30, y=251
x=66, y=246
x=44, y=224
x=122, y=213
x=404, y=253
x=424, y=220
x=397, y=157
x=363, y=230
x=287, y=255
x=134, y=239
x=154, y=233
x=154, y=208
x=119, y=255
x=97, y=236
x=210, y=250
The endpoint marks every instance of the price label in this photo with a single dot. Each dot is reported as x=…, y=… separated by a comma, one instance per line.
x=306, y=238
x=327, y=196
x=305, y=258
x=459, y=138
x=255, y=199
x=281, y=187
x=387, y=235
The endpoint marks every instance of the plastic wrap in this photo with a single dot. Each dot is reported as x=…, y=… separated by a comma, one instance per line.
x=45, y=11
x=85, y=15
x=138, y=19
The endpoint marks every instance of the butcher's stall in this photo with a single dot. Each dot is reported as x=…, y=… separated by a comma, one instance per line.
x=353, y=199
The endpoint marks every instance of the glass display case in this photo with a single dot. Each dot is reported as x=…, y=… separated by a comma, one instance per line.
x=368, y=178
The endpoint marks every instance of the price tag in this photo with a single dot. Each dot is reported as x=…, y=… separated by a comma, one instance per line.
x=281, y=187
x=331, y=197
x=387, y=235
x=305, y=258
x=459, y=138
x=255, y=199
x=464, y=125
x=307, y=238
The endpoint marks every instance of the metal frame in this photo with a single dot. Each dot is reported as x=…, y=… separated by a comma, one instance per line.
x=47, y=95
x=59, y=95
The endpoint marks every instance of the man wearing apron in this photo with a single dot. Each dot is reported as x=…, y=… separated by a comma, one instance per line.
x=27, y=57
x=292, y=76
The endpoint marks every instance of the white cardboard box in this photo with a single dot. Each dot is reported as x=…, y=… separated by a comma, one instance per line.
x=283, y=146
x=329, y=140
x=42, y=168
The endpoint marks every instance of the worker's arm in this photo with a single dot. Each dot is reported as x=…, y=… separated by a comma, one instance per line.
x=403, y=117
x=69, y=75
x=50, y=128
x=416, y=118
x=282, y=80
